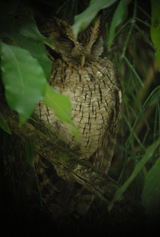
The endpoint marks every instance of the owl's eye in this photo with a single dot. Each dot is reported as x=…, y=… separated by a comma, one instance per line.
x=65, y=43
x=65, y=40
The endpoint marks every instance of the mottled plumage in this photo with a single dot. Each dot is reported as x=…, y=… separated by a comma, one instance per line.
x=93, y=86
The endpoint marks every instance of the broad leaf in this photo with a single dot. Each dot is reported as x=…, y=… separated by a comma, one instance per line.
x=151, y=192
x=119, y=16
x=23, y=79
x=149, y=152
x=4, y=125
x=155, y=27
x=83, y=20
x=61, y=106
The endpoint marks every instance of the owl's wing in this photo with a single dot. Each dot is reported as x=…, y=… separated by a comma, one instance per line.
x=103, y=156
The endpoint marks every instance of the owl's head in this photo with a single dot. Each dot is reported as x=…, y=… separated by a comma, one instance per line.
x=87, y=47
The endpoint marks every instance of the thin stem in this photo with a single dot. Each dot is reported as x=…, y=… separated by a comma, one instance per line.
x=120, y=30
x=144, y=12
x=145, y=23
x=133, y=70
x=62, y=6
x=145, y=36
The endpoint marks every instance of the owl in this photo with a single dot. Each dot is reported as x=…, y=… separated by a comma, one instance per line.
x=92, y=84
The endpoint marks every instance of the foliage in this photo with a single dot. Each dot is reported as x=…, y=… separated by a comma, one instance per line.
x=155, y=27
x=151, y=192
x=17, y=25
x=20, y=80
x=119, y=16
x=149, y=152
x=140, y=102
x=128, y=44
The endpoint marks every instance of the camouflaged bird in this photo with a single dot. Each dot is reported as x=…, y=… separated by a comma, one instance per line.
x=93, y=87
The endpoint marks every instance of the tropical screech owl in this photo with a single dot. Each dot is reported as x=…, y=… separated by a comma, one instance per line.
x=93, y=86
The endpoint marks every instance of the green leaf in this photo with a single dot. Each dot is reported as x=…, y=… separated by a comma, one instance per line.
x=149, y=152
x=151, y=192
x=23, y=79
x=17, y=23
x=84, y=19
x=61, y=106
x=119, y=16
x=29, y=151
x=37, y=50
x=151, y=99
x=155, y=27
x=4, y=125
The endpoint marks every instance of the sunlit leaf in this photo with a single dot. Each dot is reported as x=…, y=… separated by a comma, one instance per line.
x=155, y=27
x=23, y=79
x=83, y=20
x=61, y=106
x=29, y=151
x=151, y=192
x=4, y=125
x=149, y=152
x=119, y=16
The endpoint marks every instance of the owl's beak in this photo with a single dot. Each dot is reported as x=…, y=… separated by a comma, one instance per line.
x=82, y=60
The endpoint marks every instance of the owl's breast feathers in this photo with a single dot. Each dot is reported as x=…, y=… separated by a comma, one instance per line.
x=95, y=94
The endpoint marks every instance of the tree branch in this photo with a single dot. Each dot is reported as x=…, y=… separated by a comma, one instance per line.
x=57, y=152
